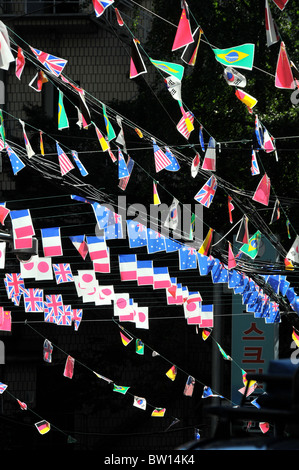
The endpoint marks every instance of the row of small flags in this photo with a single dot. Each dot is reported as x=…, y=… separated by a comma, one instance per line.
x=98, y=250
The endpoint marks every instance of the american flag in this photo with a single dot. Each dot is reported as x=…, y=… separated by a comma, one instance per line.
x=33, y=299
x=182, y=126
x=63, y=273
x=123, y=182
x=207, y=192
x=161, y=159
x=64, y=161
x=53, y=64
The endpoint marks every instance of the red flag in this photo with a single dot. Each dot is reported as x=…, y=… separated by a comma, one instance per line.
x=118, y=17
x=69, y=367
x=231, y=259
x=230, y=208
x=280, y=3
x=137, y=66
x=20, y=63
x=183, y=35
x=262, y=192
x=284, y=76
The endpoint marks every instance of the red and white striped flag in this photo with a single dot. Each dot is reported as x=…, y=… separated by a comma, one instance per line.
x=161, y=159
x=64, y=161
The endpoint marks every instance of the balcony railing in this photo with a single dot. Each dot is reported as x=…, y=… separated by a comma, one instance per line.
x=44, y=7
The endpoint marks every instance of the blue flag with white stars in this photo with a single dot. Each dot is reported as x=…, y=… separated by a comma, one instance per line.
x=187, y=258
x=137, y=234
x=155, y=241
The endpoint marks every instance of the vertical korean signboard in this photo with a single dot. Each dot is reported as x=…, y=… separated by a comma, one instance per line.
x=254, y=342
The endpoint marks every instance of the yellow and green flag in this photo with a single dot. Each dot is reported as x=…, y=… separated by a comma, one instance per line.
x=120, y=389
x=251, y=249
x=176, y=70
x=63, y=122
x=110, y=131
x=240, y=56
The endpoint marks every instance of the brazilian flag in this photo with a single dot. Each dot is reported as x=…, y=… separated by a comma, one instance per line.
x=239, y=57
x=251, y=249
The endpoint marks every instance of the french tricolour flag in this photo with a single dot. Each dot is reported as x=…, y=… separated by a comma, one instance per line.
x=128, y=267
x=161, y=278
x=80, y=244
x=22, y=223
x=145, y=273
x=97, y=248
x=51, y=241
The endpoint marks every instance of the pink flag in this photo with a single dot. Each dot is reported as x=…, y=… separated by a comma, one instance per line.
x=69, y=367
x=20, y=63
x=231, y=259
x=184, y=34
x=230, y=208
x=262, y=192
x=284, y=76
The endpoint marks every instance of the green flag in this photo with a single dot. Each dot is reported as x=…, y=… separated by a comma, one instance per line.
x=110, y=131
x=252, y=247
x=240, y=56
x=2, y=130
x=139, y=347
x=62, y=117
x=176, y=70
x=120, y=389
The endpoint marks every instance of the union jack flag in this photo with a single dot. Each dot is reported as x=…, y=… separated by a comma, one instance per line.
x=3, y=387
x=53, y=306
x=49, y=316
x=254, y=164
x=207, y=192
x=53, y=64
x=77, y=317
x=33, y=299
x=65, y=318
x=63, y=273
x=14, y=284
